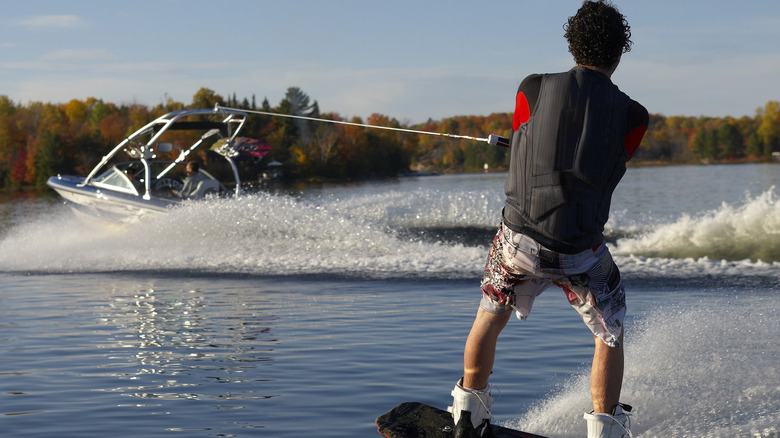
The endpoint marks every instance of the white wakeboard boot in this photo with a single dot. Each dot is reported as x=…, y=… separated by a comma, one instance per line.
x=617, y=425
x=471, y=411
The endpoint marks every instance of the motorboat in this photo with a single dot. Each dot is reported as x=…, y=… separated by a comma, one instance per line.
x=151, y=180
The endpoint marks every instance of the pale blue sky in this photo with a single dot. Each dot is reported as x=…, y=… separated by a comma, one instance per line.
x=406, y=59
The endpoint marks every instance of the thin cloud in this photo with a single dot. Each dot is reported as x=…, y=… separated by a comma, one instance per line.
x=78, y=55
x=65, y=21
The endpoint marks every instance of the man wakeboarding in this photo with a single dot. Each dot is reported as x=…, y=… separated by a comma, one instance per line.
x=573, y=133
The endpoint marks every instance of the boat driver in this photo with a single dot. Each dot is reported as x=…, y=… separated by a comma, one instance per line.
x=194, y=177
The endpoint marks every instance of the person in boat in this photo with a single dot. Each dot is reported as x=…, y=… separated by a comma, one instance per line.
x=192, y=182
x=130, y=173
x=573, y=133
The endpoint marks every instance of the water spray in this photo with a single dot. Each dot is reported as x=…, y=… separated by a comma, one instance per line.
x=493, y=139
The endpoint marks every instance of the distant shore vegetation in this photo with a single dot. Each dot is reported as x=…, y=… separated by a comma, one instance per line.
x=38, y=140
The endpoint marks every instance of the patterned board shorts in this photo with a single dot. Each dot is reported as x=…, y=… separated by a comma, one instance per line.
x=519, y=269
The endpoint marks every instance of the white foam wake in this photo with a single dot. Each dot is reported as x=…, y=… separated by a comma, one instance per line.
x=261, y=234
x=362, y=234
x=750, y=231
x=707, y=368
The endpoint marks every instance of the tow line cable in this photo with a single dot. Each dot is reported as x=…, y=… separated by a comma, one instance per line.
x=493, y=139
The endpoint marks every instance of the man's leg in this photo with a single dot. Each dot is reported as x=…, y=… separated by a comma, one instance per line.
x=480, y=350
x=471, y=398
x=606, y=376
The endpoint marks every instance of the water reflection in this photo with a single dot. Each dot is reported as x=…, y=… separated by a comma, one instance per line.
x=188, y=344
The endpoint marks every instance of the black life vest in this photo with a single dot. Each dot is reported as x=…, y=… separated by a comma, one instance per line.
x=566, y=161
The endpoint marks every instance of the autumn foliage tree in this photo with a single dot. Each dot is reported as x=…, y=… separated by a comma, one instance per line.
x=38, y=140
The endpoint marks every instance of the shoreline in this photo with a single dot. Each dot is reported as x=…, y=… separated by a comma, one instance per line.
x=33, y=190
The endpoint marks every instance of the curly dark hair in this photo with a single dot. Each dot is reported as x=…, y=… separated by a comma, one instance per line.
x=598, y=34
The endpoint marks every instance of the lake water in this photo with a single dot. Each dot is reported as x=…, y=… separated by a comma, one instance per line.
x=310, y=313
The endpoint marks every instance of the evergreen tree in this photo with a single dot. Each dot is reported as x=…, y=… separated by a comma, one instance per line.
x=730, y=142
x=49, y=160
x=755, y=147
x=299, y=105
x=704, y=144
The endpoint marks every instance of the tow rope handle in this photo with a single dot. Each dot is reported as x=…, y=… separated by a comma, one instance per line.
x=497, y=140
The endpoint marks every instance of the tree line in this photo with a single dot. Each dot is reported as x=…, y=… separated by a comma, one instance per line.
x=38, y=139
x=710, y=139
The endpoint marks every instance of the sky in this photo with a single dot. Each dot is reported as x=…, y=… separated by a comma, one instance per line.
x=412, y=60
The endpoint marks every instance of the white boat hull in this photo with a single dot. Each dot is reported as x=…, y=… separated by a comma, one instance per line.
x=106, y=204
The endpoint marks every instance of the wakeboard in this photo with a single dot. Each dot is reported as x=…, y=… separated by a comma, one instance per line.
x=418, y=420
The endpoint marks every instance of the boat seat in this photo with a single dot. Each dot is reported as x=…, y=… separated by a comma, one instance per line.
x=205, y=187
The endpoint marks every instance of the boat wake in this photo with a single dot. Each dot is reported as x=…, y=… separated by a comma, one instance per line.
x=257, y=235
x=740, y=242
x=749, y=231
x=706, y=368
x=423, y=233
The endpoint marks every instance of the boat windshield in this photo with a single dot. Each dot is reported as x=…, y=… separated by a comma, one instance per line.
x=115, y=179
